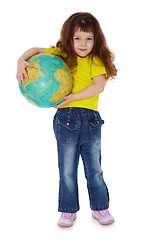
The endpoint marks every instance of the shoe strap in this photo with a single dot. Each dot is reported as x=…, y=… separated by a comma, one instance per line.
x=104, y=212
x=66, y=215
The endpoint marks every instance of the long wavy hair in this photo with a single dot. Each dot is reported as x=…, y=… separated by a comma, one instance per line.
x=86, y=22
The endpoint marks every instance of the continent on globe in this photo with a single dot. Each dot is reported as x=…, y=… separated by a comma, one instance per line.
x=49, y=81
x=33, y=73
x=61, y=75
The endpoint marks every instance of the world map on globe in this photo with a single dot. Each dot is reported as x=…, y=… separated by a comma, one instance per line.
x=49, y=81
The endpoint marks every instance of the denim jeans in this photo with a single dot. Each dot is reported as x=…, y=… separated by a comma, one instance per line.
x=78, y=132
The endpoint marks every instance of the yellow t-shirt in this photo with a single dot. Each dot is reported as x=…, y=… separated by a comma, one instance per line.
x=82, y=76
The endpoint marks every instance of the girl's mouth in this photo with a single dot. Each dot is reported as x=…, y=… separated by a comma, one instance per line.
x=83, y=50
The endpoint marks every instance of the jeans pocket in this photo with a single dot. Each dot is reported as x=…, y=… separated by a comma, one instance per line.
x=95, y=130
x=68, y=132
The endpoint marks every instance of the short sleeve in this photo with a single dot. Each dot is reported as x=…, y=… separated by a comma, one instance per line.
x=56, y=51
x=97, y=68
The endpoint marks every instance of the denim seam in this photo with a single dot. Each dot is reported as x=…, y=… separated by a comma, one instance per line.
x=97, y=187
x=100, y=207
x=89, y=189
x=69, y=191
x=69, y=209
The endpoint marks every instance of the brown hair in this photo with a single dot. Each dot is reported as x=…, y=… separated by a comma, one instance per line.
x=88, y=23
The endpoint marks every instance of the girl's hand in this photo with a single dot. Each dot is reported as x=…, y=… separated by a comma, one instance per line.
x=21, y=70
x=67, y=99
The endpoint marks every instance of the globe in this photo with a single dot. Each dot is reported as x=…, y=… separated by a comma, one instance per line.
x=49, y=81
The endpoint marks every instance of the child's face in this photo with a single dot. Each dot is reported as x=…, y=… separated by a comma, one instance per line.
x=83, y=43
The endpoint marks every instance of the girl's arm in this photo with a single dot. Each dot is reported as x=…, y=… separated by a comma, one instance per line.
x=90, y=91
x=22, y=63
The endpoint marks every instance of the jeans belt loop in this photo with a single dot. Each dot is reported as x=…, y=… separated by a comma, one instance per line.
x=95, y=115
x=69, y=114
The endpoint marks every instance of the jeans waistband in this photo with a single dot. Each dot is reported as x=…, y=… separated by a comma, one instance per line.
x=76, y=110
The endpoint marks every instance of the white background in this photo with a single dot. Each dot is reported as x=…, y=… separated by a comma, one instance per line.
x=131, y=133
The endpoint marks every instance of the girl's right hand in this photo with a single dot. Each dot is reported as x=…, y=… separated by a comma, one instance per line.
x=21, y=70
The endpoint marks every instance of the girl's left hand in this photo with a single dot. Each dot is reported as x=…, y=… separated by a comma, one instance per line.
x=67, y=99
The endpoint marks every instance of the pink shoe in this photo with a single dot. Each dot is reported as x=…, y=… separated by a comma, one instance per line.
x=67, y=219
x=104, y=217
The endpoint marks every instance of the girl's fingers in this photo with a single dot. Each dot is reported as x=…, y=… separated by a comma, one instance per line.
x=29, y=65
x=20, y=78
x=21, y=73
x=26, y=76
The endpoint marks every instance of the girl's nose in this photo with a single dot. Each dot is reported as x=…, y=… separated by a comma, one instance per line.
x=83, y=43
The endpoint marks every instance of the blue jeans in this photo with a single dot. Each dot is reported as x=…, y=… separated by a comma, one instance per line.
x=78, y=132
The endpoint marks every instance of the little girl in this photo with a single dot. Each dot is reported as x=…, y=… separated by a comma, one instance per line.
x=77, y=123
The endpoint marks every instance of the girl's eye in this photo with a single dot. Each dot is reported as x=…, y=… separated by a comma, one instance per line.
x=89, y=38
x=76, y=38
